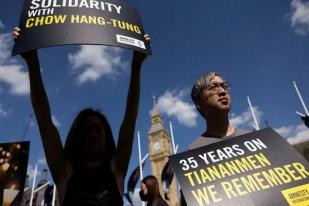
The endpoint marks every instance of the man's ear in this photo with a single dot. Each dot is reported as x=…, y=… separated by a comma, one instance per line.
x=198, y=107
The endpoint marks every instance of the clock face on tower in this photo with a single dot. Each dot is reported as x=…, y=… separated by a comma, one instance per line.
x=157, y=146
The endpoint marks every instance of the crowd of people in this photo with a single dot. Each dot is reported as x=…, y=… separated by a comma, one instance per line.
x=90, y=169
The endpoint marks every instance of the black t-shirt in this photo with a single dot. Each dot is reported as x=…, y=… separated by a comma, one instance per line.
x=95, y=187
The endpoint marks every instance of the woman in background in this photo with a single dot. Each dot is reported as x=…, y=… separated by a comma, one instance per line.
x=150, y=192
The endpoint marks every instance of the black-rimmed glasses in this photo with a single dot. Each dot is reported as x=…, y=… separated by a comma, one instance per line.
x=216, y=85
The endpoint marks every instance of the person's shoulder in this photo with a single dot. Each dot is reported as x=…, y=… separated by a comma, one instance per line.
x=204, y=140
x=201, y=141
x=239, y=131
x=195, y=143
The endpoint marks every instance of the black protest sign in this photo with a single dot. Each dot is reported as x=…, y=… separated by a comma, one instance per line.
x=13, y=170
x=258, y=168
x=47, y=23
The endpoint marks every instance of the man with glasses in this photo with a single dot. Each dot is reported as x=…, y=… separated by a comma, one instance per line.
x=211, y=96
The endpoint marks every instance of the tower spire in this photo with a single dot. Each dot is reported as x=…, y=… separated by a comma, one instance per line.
x=156, y=121
x=155, y=110
x=159, y=147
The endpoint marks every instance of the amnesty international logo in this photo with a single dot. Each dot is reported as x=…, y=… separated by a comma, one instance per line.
x=297, y=196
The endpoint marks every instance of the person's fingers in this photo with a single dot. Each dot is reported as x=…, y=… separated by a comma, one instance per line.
x=15, y=34
x=147, y=37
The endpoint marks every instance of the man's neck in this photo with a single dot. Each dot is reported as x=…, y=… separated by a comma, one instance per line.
x=218, y=127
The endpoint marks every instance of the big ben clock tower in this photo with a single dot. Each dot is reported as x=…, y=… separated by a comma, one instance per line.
x=159, y=147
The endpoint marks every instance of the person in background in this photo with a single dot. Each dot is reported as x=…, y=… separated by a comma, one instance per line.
x=150, y=192
x=90, y=169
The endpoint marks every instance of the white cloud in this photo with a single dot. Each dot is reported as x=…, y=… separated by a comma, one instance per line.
x=11, y=73
x=285, y=131
x=246, y=119
x=1, y=25
x=3, y=112
x=92, y=62
x=16, y=78
x=294, y=134
x=56, y=121
x=5, y=45
x=30, y=172
x=172, y=103
x=300, y=16
x=42, y=161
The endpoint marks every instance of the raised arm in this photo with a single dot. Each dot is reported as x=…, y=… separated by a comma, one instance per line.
x=123, y=152
x=49, y=134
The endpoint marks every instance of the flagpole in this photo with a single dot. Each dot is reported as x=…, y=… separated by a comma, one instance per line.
x=175, y=148
x=172, y=137
x=54, y=195
x=33, y=183
x=41, y=187
x=300, y=98
x=140, y=158
x=145, y=157
x=300, y=114
x=257, y=127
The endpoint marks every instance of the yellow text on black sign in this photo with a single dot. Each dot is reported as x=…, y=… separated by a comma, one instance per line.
x=81, y=19
x=241, y=185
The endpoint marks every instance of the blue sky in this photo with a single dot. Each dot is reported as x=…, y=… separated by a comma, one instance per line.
x=259, y=46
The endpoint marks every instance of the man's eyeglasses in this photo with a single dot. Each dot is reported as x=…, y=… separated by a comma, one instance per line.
x=215, y=86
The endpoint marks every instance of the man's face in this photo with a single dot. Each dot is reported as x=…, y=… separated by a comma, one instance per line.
x=215, y=98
